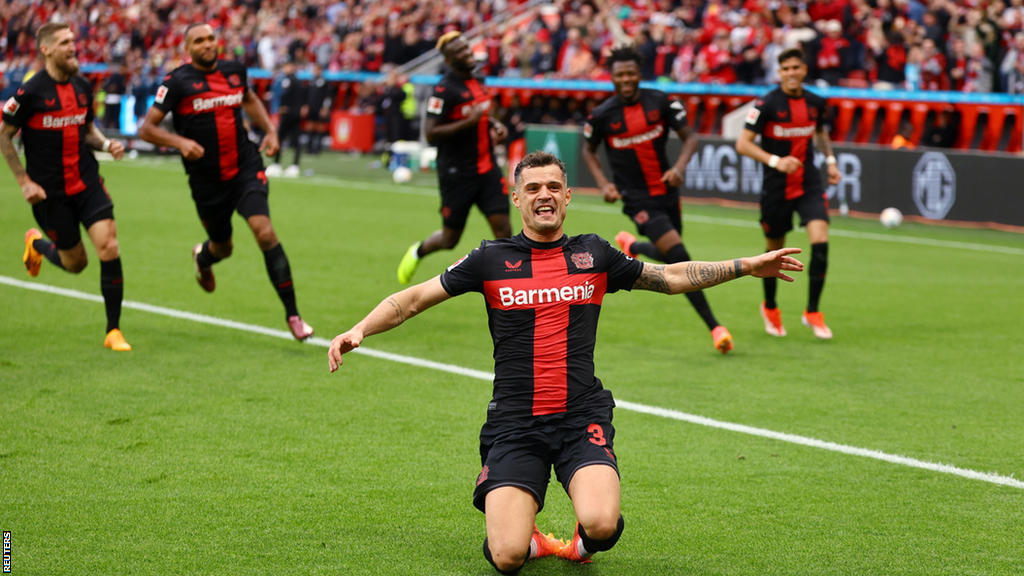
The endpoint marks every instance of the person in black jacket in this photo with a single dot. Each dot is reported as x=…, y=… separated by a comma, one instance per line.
x=318, y=102
x=293, y=107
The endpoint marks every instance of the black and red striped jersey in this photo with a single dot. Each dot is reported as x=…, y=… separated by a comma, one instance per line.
x=470, y=151
x=635, y=137
x=787, y=125
x=207, y=108
x=543, y=303
x=54, y=118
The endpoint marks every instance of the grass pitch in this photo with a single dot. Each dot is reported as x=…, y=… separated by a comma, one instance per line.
x=208, y=450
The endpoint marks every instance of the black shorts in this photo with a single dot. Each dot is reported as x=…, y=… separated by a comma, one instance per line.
x=522, y=453
x=655, y=222
x=60, y=216
x=777, y=215
x=459, y=193
x=216, y=200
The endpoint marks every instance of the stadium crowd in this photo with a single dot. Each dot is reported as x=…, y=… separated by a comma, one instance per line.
x=963, y=45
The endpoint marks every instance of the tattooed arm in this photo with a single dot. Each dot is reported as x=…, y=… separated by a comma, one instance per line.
x=390, y=313
x=33, y=192
x=691, y=276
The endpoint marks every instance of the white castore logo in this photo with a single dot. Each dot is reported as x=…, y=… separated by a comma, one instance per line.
x=934, y=185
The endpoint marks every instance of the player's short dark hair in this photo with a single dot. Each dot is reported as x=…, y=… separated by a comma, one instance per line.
x=193, y=25
x=538, y=159
x=626, y=53
x=792, y=53
x=45, y=33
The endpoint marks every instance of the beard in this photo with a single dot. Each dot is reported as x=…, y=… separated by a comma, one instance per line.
x=198, y=59
x=69, y=66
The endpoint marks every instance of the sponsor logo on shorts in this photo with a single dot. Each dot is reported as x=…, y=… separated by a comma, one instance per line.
x=161, y=93
x=641, y=217
x=583, y=261
x=483, y=476
x=631, y=141
x=12, y=106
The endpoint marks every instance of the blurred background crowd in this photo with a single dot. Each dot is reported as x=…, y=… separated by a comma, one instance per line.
x=960, y=45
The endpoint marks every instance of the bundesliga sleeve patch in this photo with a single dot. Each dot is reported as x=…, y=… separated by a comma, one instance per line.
x=588, y=130
x=459, y=261
x=753, y=115
x=161, y=93
x=12, y=106
x=435, y=105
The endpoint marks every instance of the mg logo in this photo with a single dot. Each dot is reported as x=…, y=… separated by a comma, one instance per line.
x=934, y=185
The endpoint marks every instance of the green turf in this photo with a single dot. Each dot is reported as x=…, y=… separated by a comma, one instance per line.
x=207, y=450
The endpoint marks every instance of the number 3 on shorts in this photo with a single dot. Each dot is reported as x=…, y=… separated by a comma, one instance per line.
x=598, y=433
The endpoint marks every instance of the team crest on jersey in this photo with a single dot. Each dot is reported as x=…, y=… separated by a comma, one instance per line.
x=435, y=105
x=12, y=106
x=583, y=261
x=234, y=80
x=161, y=93
x=753, y=115
x=588, y=130
x=653, y=116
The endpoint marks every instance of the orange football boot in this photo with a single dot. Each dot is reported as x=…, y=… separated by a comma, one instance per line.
x=33, y=259
x=625, y=241
x=772, y=321
x=115, y=341
x=723, y=340
x=816, y=321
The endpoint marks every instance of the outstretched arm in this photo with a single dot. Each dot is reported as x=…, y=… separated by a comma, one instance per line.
x=390, y=313
x=690, y=276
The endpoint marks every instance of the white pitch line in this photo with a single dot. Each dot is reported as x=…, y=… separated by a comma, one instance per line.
x=488, y=377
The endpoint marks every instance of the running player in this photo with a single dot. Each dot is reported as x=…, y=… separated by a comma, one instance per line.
x=224, y=168
x=543, y=292
x=62, y=182
x=634, y=125
x=459, y=124
x=787, y=119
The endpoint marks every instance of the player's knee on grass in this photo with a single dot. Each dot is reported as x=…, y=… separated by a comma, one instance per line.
x=504, y=559
x=602, y=535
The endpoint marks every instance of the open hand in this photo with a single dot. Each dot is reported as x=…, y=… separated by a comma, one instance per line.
x=771, y=264
x=342, y=344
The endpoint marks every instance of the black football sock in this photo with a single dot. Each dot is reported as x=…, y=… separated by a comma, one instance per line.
x=770, y=285
x=112, y=288
x=647, y=249
x=205, y=257
x=281, y=277
x=593, y=546
x=49, y=251
x=816, y=274
x=678, y=253
x=487, y=555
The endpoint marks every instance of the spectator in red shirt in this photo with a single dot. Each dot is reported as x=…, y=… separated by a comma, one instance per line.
x=714, y=61
x=933, y=67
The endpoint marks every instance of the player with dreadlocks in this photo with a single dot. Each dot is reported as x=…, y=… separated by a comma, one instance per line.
x=460, y=125
x=634, y=124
